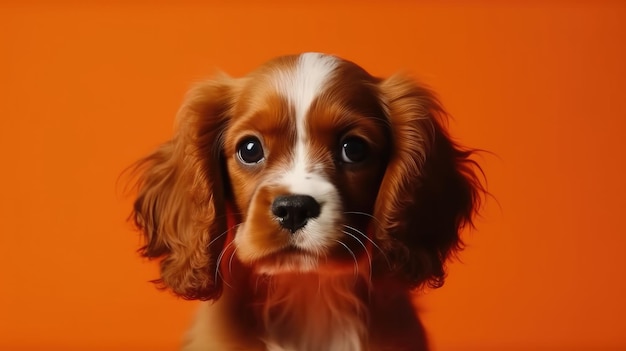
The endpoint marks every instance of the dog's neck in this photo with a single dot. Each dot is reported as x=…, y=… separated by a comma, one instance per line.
x=312, y=312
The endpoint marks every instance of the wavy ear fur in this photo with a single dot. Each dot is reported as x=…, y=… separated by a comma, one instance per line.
x=430, y=190
x=181, y=202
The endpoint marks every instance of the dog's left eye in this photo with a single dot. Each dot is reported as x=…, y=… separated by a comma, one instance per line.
x=250, y=151
x=353, y=150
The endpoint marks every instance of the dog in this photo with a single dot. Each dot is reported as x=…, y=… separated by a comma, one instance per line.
x=304, y=203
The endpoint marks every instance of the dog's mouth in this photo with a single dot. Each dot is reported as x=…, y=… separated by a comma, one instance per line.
x=293, y=259
x=288, y=259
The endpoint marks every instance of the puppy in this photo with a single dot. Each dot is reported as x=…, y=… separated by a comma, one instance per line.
x=304, y=203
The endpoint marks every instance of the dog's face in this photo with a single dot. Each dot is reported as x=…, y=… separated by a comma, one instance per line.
x=318, y=162
x=305, y=155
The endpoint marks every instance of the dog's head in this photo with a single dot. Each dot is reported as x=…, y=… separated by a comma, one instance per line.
x=319, y=165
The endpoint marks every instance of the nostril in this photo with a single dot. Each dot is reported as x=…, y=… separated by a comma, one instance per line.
x=308, y=206
x=294, y=211
x=281, y=206
x=280, y=211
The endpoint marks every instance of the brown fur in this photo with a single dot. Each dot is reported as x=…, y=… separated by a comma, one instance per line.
x=416, y=194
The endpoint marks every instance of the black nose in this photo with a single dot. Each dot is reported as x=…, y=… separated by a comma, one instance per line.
x=293, y=211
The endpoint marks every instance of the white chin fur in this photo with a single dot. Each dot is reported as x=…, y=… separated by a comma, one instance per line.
x=294, y=264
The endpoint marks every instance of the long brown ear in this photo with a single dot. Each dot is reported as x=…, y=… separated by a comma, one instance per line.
x=180, y=205
x=430, y=190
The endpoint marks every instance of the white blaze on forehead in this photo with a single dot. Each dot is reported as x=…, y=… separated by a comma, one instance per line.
x=303, y=82
x=301, y=85
x=311, y=73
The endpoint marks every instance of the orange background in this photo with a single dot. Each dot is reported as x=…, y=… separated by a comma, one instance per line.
x=87, y=89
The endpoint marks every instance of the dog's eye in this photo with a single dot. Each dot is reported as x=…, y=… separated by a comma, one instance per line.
x=354, y=150
x=250, y=151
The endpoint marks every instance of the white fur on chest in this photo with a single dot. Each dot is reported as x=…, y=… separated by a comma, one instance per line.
x=314, y=313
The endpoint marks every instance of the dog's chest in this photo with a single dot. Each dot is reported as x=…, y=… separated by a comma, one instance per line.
x=311, y=317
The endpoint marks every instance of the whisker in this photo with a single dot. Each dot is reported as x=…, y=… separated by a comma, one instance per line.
x=369, y=257
x=230, y=262
x=224, y=233
x=218, y=271
x=371, y=241
x=366, y=215
x=219, y=236
x=356, y=262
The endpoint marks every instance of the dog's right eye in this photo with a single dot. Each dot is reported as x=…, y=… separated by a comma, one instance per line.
x=250, y=151
x=354, y=150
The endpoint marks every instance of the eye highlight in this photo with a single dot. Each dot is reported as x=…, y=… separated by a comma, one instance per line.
x=354, y=150
x=250, y=151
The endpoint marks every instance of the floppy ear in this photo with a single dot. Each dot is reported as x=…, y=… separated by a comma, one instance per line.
x=430, y=189
x=180, y=206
